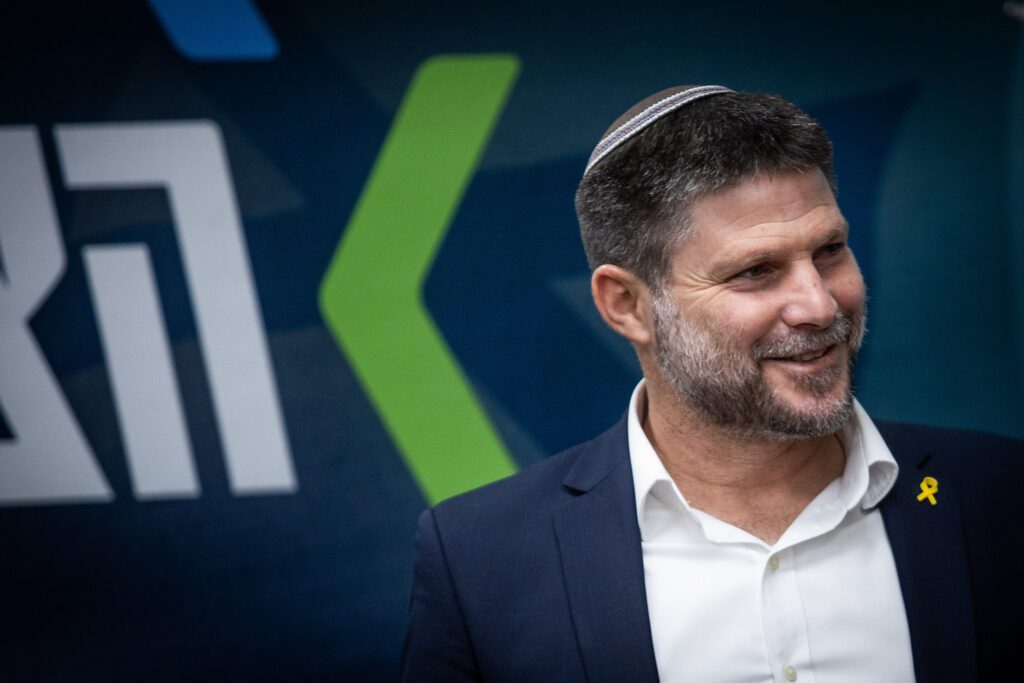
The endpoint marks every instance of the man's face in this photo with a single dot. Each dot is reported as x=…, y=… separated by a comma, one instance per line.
x=764, y=313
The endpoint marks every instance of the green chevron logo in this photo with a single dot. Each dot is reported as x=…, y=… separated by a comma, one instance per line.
x=371, y=295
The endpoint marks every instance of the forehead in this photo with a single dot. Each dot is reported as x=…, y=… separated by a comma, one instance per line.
x=764, y=207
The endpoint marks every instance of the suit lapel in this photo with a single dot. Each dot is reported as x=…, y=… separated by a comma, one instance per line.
x=928, y=546
x=602, y=562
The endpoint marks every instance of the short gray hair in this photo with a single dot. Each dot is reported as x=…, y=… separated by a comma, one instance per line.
x=634, y=205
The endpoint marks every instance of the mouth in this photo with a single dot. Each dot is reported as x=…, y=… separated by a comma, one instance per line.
x=810, y=355
x=808, y=358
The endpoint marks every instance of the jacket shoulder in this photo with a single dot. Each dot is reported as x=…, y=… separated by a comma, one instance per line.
x=964, y=447
x=533, y=493
x=536, y=487
x=979, y=463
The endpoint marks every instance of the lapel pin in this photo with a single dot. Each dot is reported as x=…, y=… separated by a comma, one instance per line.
x=929, y=487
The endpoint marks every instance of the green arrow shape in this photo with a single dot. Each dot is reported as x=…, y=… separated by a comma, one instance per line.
x=371, y=294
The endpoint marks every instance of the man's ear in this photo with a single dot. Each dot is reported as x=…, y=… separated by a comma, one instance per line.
x=624, y=301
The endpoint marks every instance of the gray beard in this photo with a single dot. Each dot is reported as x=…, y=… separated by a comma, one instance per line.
x=727, y=386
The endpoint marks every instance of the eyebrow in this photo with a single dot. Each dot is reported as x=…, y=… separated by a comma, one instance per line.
x=743, y=261
x=842, y=229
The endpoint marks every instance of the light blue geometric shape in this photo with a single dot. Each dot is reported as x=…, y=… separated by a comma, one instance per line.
x=216, y=30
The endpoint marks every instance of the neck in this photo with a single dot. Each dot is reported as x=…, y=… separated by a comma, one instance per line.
x=759, y=485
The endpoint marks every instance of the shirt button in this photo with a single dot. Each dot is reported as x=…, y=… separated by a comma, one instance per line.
x=790, y=673
x=773, y=564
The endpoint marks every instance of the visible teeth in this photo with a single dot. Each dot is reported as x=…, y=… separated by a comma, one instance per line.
x=810, y=355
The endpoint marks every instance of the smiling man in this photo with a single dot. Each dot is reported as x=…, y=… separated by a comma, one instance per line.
x=746, y=520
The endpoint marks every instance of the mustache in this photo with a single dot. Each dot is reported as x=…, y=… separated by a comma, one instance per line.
x=796, y=342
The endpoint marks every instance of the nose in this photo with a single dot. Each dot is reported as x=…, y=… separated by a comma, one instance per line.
x=808, y=299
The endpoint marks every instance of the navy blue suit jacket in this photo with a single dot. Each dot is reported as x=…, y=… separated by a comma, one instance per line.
x=540, y=577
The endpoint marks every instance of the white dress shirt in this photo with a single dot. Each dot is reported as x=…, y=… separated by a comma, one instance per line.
x=821, y=605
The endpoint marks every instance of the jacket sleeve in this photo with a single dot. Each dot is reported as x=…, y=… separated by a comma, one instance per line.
x=437, y=646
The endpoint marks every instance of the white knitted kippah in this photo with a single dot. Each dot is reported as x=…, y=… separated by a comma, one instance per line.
x=647, y=116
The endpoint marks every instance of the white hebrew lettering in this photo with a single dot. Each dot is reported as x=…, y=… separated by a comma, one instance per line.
x=141, y=371
x=48, y=460
x=187, y=159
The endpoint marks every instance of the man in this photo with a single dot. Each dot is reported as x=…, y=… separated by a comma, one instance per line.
x=746, y=520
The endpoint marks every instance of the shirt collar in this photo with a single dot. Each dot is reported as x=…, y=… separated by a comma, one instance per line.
x=869, y=474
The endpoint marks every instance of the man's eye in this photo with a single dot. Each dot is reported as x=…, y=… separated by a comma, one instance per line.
x=834, y=248
x=754, y=272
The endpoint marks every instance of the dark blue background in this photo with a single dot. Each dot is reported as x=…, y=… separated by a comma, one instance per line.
x=924, y=101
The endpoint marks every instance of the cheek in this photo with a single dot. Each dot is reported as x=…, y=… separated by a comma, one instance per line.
x=848, y=289
x=747, y=322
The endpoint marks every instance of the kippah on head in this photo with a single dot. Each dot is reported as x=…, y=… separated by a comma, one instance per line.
x=645, y=112
x=635, y=200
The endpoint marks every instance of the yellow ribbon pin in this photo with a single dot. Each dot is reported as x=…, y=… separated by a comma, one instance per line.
x=929, y=487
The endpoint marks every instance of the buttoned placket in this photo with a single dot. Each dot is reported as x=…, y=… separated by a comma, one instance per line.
x=782, y=611
x=784, y=624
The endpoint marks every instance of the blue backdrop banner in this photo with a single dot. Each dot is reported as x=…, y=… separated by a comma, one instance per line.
x=275, y=276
